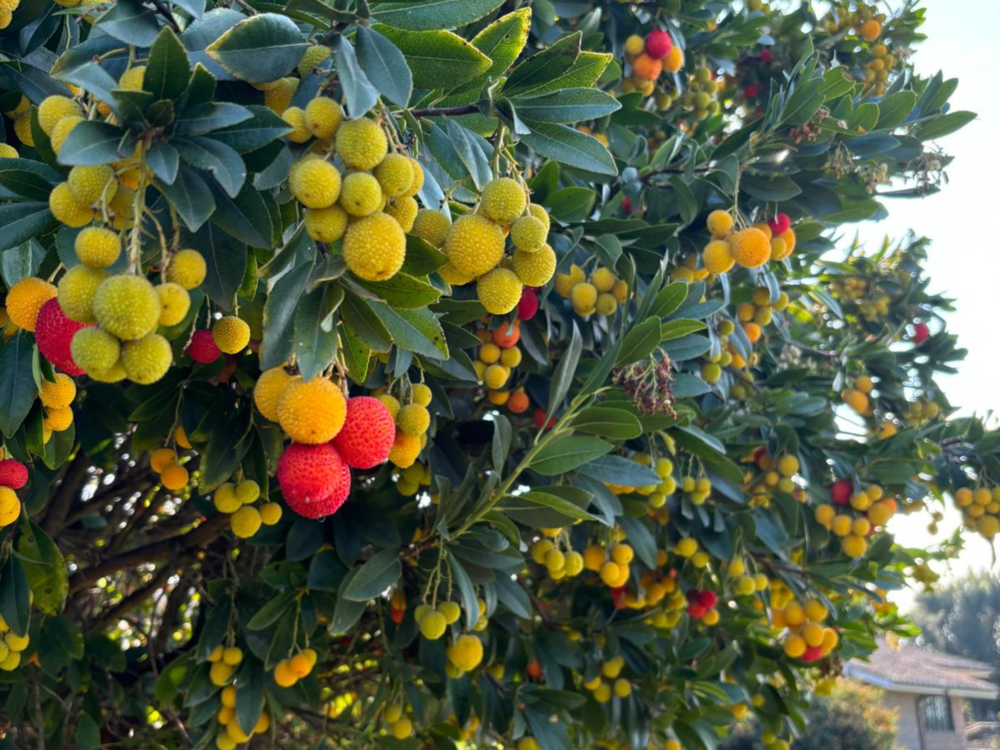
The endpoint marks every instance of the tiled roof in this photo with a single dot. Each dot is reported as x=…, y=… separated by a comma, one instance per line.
x=919, y=667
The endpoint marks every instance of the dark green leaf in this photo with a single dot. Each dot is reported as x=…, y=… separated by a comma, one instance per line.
x=437, y=59
x=189, y=195
x=432, y=14
x=17, y=386
x=259, y=49
x=566, y=453
x=569, y=147
x=168, y=70
x=608, y=422
x=92, y=142
x=384, y=66
x=375, y=576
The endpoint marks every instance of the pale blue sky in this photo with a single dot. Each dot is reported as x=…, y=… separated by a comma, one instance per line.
x=960, y=220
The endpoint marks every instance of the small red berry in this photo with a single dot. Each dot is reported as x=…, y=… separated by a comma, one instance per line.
x=696, y=610
x=203, y=348
x=780, y=224
x=707, y=599
x=921, y=332
x=765, y=56
x=840, y=492
x=659, y=44
x=528, y=306
x=540, y=416
x=13, y=474
x=812, y=653
x=626, y=205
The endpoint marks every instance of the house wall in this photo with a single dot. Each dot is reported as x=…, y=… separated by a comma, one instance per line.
x=911, y=733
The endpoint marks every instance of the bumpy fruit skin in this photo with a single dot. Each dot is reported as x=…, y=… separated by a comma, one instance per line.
x=719, y=223
x=174, y=303
x=413, y=419
x=146, y=360
x=187, y=268
x=127, y=307
x=315, y=183
x=77, y=288
x=13, y=474
x=231, y=334
x=503, y=200
x=10, y=506
x=203, y=348
x=296, y=119
x=313, y=56
x=245, y=522
x=750, y=248
x=466, y=653
x=312, y=411
x=674, y=61
x=422, y=394
x=57, y=394
x=528, y=234
x=95, y=350
x=323, y=117
x=368, y=433
x=325, y=224
x=658, y=44
x=779, y=224
x=395, y=174
x=499, y=291
x=67, y=209
x=404, y=211
x=361, y=144
x=474, y=245
x=22, y=129
x=536, y=268
x=174, y=477
x=374, y=247
x=25, y=300
x=431, y=225
x=53, y=109
x=96, y=247
x=405, y=449
x=583, y=297
x=270, y=514
x=91, y=184
x=278, y=97
x=360, y=194
x=646, y=67
x=266, y=394
x=717, y=258
x=418, y=178
x=7, y=151
x=314, y=480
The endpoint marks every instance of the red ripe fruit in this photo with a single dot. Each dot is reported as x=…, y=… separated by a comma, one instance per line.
x=658, y=44
x=528, y=306
x=626, y=205
x=540, y=416
x=367, y=435
x=13, y=474
x=397, y=615
x=780, y=224
x=812, y=653
x=534, y=669
x=618, y=597
x=53, y=334
x=203, y=347
x=765, y=57
x=921, y=332
x=707, y=599
x=313, y=479
x=840, y=492
x=696, y=610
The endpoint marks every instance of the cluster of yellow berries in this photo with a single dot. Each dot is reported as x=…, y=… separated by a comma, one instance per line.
x=878, y=68
x=921, y=411
x=776, y=475
x=648, y=59
x=873, y=509
x=656, y=493
x=559, y=559
x=56, y=396
x=865, y=19
x=750, y=247
x=497, y=358
x=412, y=478
x=806, y=637
x=464, y=654
x=397, y=722
x=701, y=96
x=412, y=422
x=601, y=294
x=616, y=685
x=433, y=621
x=237, y=500
x=12, y=646
x=858, y=396
x=173, y=475
x=612, y=565
x=475, y=245
x=289, y=671
x=224, y=660
x=758, y=312
x=742, y=582
x=232, y=733
x=980, y=509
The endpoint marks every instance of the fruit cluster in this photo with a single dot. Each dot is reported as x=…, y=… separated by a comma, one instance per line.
x=237, y=499
x=980, y=509
x=56, y=396
x=13, y=476
x=476, y=247
x=289, y=671
x=231, y=733
x=559, y=559
x=648, y=58
x=750, y=247
x=701, y=606
x=412, y=478
x=397, y=722
x=412, y=420
x=611, y=670
x=872, y=510
x=12, y=646
x=173, y=475
x=806, y=638
x=701, y=97
x=601, y=294
x=858, y=396
x=877, y=69
x=433, y=621
x=497, y=358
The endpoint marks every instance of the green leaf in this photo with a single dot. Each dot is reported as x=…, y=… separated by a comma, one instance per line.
x=225, y=447
x=674, y=329
x=245, y=217
x=168, y=70
x=359, y=320
x=669, y=299
x=251, y=683
x=22, y=222
x=696, y=442
x=28, y=179
x=253, y=133
x=432, y=14
x=942, y=125
x=347, y=612
x=521, y=507
x=259, y=49
x=279, y=311
x=562, y=379
x=608, y=422
x=569, y=147
x=271, y=612
x=566, y=106
x=130, y=22
x=92, y=142
x=894, y=109
x=189, y=195
x=403, y=292
x=17, y=386
x=583, y=73
x=204, y=118
x=770, y=189
x=218, y=159
x=20, y=262
x=384, y=66
x=375, y=576
x=88, y=734
x=566, y=453
x=618, y=470
x=502, y=42
x=315, y=335
x=543, y=67
x=225, y=261
x=640, y=342
x=48, y=578
x=15, y=596
x=417, y=331
x=421, y=257
x=437, y=59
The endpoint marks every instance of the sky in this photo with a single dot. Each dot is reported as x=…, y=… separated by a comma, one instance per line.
x=963, y=265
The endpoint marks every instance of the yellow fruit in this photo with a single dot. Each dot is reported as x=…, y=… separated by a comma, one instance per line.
x=857, y=400
x=432, y=625
x=77, y=288
x=405, y=450
x=7, y=151
x=413, y=419
x=374, y=247
x=431, y=226
x=360, y=194
x=247, y=491
x=174, y=477
x=421, y=394
x=323, y=117
x=283, y=674
x=26, y=298
x=326, y=224
x=296, y=119
x=127, y=307
x=418, y=178
x=146, y=360
x=391, y=403
x=719, y=223
x=496, y=376
x=528, y=234
x=510, y=357
x=313, y=56
x=622, y=688
x=503, y=200
x=312, y=411
x=97, y=247
x=395, y=175
x=95, y=350
x=853, y=546
x=541, y=214
x=59, y=133
x=686, y=547
x=788, y=466
x=404, y=211
x=174, y=303
x=315, y=183
x=22, y=129
x=270, y=513
x=716, y=257
x=53, y=109
x=245, y=522
x=583, y=296
x=499, y=291
x=161, y=458
x=402, y=728
x=453, y=276
x=279, y=96
x=361, y=144
x=67, y=209
x=466, y=652
x=474, y=245
x=603, y=280
x=58, y=420
x=231, y=334
x=535, y=268
x=270, y=385
x=10, y=506
x=57, y=394
x=225, y=499
x=750, y=248
x=232, y=656
x=795, y=646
